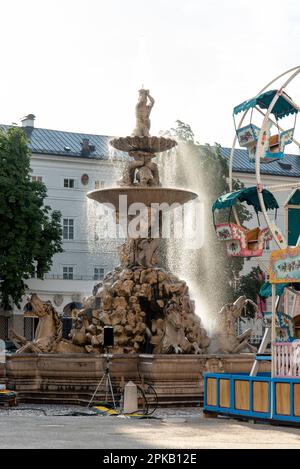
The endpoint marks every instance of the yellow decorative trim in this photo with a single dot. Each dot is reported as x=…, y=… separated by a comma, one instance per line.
x=282, y=254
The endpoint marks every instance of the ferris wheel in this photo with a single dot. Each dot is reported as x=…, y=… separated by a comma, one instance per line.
x=267, y=125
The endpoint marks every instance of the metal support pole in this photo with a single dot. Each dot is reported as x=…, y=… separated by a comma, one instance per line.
x=273, y=332
x=108, y=383
x=273, y=339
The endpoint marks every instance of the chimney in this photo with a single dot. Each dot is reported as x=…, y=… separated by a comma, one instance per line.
x=86, y=147
x=28, y=121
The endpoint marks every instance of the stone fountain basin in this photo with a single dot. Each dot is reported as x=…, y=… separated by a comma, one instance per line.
x=144, y=195
x=149, y=144
x=72, y=378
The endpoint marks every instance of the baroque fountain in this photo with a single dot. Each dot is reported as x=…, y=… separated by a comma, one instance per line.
x=157, y=335
x=149, y=308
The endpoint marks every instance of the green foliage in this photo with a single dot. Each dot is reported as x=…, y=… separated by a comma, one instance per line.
x=183, y=132
x=30, y=233
x=249, y=285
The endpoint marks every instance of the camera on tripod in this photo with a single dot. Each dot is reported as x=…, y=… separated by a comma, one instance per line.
x=108, y=341
x=108, y=336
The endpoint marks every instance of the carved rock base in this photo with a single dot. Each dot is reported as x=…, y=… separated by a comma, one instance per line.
x=150, y=311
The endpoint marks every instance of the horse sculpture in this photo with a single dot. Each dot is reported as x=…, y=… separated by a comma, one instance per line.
x=48, y=334
x=226, y=337
x=170, y=334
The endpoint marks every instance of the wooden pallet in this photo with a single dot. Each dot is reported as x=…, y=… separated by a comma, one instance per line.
x=8, y=398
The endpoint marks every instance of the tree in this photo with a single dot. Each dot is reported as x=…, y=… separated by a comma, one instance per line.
x=30, y=232
x=249, y=285
x=203, y=169
x=183, y=132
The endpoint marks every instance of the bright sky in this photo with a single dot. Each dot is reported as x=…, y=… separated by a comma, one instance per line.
x=77, y=65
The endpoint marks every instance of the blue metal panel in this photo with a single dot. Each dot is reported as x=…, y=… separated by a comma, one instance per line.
x=231, y=410
x=218, y=392
x=270, y=415
x=292, y=398
x=285, y=418
x=232, y=393
x=205, y=393
x=263, y=358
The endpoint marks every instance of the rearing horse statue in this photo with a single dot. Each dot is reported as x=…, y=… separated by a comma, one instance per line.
x=48, y=334
x=226, y=337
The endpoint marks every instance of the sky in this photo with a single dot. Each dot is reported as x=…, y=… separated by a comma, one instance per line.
x=77, y=65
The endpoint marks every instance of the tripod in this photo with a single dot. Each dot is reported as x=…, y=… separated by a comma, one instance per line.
x=108, y=385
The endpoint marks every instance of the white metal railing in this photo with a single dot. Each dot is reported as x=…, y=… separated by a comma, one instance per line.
x=286, y=356
x=73, y=277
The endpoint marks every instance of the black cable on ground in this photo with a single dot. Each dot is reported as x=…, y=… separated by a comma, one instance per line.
x=150, y=385
x=156, y=399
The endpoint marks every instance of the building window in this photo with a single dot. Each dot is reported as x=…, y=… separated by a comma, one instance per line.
x=99, y=184
x=4, y=327
x=98, y=273
x=30, y=325
x=69, y=183
x=68, y=272
x=68, y=228
x=37, y=178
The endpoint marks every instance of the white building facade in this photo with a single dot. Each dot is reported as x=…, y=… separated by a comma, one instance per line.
x=70, y=165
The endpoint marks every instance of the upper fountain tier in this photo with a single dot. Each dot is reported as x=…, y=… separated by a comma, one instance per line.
x=140, y=181
x=140, y=140
x=145, y=144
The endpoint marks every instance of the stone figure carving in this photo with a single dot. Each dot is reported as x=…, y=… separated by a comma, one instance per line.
x=226, y=337
x=146, y=248
x=169, y=334
x=58, y=299
x=48, y=335
x=142, y=114
x=141, y=171
x=144, y=176
x=128, y=177
x=139, y=252
x=143, y=305
x=149, y=305
x=78, y=332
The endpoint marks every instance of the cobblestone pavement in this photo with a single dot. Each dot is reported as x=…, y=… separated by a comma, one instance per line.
x=53, y=426
x=39, y=410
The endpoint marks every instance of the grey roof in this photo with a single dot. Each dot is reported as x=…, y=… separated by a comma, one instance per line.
x=59, y=142
x=55, y=142
x=289, y=166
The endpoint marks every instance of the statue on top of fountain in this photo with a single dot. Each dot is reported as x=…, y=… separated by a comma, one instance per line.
x=142, y=112
x=141, y=171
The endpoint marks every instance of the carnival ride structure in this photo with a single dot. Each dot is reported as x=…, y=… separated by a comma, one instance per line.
x=273, y=396
x=242, y=242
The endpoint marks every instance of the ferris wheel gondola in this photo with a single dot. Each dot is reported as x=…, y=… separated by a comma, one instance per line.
x=242, y=242
x=264, y=146
x=273, y=143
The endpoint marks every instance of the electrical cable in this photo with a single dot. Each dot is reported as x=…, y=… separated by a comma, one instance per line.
x=150, y=386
